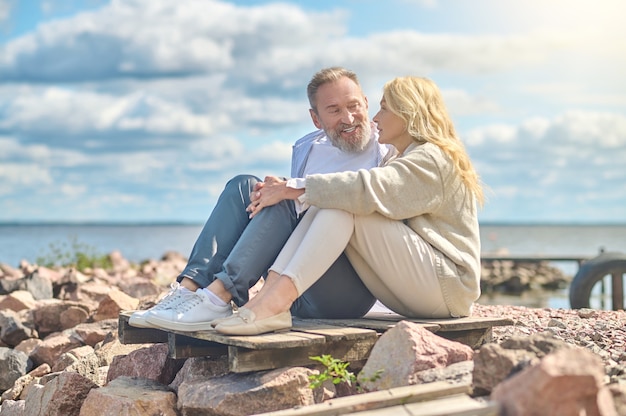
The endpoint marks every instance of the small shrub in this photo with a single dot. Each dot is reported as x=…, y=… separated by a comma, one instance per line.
x=337, y=371
x=74, y=254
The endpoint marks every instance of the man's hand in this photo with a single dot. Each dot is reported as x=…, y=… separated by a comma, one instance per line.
x=270, y=192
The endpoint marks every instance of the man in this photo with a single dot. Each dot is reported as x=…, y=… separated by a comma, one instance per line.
x=234, y=251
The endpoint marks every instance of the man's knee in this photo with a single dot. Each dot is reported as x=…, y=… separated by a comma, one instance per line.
x=242, y=181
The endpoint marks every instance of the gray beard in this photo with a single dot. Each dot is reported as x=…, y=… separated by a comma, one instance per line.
x=351, y=147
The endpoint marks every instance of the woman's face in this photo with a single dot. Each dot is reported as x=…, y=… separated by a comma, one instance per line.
x=391, y=128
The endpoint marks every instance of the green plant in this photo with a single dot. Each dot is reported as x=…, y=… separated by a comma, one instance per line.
x=337, y=371
x=74, y=254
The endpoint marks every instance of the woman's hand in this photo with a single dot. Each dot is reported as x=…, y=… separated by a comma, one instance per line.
x=270, y=192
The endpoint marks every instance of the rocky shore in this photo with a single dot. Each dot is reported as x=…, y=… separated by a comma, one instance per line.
x=59, y=352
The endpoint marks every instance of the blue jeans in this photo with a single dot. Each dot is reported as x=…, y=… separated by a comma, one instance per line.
x=239, y=251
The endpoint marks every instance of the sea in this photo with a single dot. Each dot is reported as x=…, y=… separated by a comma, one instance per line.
x=140, y=242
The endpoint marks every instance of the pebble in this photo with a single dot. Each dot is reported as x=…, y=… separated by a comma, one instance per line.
x=602, y=332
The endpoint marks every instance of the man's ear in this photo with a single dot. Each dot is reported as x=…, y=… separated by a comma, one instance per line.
x=315, y=118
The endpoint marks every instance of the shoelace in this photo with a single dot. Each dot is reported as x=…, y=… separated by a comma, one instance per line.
x=169, y=297
x=192, y=299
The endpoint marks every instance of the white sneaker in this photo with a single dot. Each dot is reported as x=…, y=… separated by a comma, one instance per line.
x=194, y=314
x=175, y=296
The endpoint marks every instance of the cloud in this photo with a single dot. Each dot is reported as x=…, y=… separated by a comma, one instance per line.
x=158, y=38
x=544, y=167
x=6, y=7
x=43, y=111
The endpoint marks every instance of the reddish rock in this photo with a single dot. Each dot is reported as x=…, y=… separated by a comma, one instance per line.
x=405, y=350
x=152, y=363
x=95, y=332
x=52, y=348
x=128, y=396
x=17, y=301
x=49, y=315
x=61, y=396
x=115, y=302
x=567, y=382
x=247, y=394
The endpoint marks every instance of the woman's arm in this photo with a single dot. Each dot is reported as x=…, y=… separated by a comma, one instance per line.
x=270, y=192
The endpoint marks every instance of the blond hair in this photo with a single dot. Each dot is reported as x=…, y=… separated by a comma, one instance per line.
x=325, y=76
x=419, y=103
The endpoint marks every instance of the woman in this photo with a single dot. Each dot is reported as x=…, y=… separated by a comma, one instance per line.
x=410, y=228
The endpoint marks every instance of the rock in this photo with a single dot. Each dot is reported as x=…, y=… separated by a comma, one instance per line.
x=405, y=350
x=108, y=349
x=17, y=301
x=95, y=332
x=495, y=362
x=12, y=408
x=246, y=394
x=50, y=316
x=18, y=387
x=28, y=345
x=152, y=363
x=126, y=396
x=39, y=285
x=457, y=373
x=200, y=368
x=63, y=395
x=13, y=365
x=566, y=382
x=115, y=302
x=13, y=331
x=73, y=356
x=52, y=347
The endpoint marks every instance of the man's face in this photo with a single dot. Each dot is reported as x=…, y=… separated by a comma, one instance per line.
x=342, y=113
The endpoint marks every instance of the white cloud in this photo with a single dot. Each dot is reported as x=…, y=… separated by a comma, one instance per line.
x=461, y=103
x=6, y=7
x=17, y=174
x=68, y=111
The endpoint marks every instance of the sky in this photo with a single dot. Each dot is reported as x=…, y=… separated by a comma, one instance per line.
x=141, y=110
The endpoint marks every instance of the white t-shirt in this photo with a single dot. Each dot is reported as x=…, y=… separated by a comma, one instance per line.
x=326, y=158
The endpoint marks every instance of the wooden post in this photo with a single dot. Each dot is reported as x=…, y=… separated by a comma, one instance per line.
x=617, y=291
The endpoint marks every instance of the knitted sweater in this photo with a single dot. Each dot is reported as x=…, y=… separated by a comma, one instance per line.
x=422, y=189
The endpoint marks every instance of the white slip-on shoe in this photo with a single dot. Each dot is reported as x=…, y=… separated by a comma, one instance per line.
x=175, y=296
x=245, y=323
x=194, y=314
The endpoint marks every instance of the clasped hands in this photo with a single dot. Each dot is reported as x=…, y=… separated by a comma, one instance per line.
x=269, y=192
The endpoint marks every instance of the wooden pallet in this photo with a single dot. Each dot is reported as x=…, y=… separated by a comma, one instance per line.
x=432, y=399
x=349, y=340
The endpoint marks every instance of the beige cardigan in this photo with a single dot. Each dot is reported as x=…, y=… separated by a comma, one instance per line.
x=422, y=189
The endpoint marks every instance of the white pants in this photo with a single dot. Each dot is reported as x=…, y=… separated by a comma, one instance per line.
x=395, y=263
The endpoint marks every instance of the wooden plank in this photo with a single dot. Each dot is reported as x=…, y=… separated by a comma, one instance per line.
x=474, y=338
x=182, y=346
x=459, y=405
x=243, y=360
x=379, y=325
x=448, y=324
x=331, y=331
x=376, y=400
x=128, y=334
